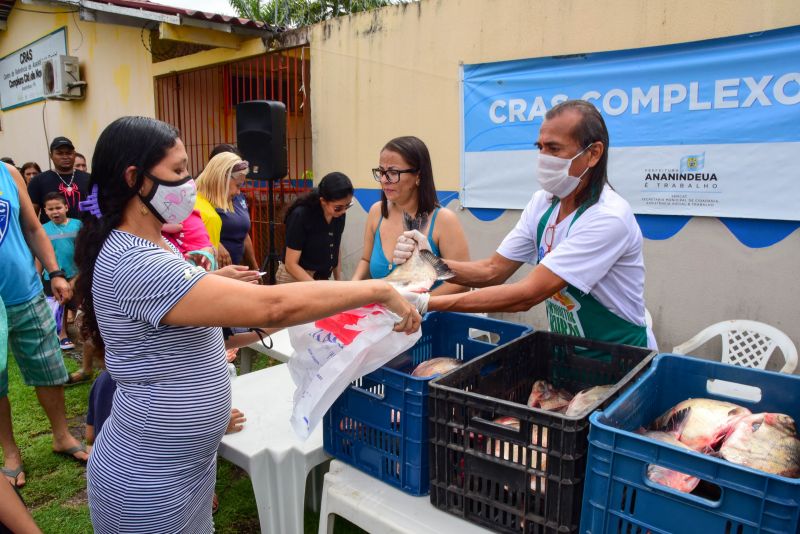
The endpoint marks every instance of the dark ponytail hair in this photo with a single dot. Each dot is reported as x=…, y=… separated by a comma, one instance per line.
x=415, y=152
x=333, y=186
x=141, y=142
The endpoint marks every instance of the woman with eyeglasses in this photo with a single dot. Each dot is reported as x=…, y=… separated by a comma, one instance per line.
x=314, y=227
x=405, y=173
x=223, y=209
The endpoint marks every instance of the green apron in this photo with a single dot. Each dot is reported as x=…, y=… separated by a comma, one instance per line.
x=574, y=313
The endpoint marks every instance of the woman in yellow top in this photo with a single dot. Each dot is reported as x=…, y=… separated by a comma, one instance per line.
x=218, y=187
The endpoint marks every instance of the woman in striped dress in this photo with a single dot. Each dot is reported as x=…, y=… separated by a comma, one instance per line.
x=153, y=467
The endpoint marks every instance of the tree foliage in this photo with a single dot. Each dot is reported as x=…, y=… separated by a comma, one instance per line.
x=296, y=13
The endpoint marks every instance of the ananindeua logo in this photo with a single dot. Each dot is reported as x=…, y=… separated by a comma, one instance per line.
x=562, y=311
x=690, y=174
x=693, y=163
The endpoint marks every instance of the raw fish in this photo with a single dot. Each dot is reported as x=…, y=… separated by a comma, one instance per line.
x=580, y=403
x=423, y=268
x=545, y=396
x=764, y=441
x=435, y=366
x=668, y=477
x=701, y=424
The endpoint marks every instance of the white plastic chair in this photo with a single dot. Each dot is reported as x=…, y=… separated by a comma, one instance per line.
x=745, y=343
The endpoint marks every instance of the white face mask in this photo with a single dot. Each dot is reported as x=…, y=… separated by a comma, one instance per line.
x=553, y=174
x=171, y=202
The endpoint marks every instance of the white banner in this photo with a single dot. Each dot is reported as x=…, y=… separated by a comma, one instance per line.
x=659, y=180
x=21, y=70
x=709, y=180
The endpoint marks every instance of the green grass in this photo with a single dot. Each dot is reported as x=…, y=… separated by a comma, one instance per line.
x=56, y=486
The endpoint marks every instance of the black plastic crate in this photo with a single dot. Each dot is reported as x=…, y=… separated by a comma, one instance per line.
x=379, y=424
x=528, y=480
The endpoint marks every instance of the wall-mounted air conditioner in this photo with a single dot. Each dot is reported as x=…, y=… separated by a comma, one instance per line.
x=61, y=78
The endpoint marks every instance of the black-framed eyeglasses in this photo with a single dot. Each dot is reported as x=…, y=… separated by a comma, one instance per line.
x=340, y=208
x=392, y=175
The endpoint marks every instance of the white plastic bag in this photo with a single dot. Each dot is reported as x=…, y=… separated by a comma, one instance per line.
x=333, y=352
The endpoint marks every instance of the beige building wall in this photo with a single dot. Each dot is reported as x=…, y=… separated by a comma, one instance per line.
x=113, y=62
x=395, y=71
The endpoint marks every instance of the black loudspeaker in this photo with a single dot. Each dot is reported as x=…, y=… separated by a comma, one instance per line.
x=261, y=137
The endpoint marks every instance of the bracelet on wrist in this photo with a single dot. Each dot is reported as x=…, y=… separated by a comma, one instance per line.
x=57, y=273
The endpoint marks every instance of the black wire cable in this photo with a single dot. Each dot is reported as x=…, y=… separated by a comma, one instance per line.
x=261, y=333
x=141, y=34
x=78, y=27
x=156, y=56
x=44, y=125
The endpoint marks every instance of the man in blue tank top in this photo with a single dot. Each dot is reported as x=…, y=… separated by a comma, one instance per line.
x=31, y=327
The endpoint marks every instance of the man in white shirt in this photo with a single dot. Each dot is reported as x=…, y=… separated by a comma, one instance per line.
x=581, y=235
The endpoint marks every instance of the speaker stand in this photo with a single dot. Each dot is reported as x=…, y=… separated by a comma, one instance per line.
x=271, y=261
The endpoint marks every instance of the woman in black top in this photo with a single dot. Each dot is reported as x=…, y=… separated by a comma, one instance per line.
x=314, y=227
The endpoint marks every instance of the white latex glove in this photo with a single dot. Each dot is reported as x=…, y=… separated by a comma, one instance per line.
x=406, y=243
x=418, y=300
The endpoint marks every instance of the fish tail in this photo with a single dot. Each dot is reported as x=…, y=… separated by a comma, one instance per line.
x=415, y=223
x=443, y=272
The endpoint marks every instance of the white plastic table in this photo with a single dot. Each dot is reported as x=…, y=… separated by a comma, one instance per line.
x=378, y=507
x=281, y=350
x=277, y=461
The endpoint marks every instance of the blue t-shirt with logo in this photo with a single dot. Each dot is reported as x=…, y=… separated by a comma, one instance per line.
x=63, y=238
x=19, y=281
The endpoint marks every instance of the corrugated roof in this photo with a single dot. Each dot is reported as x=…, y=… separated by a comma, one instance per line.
x=153, y=7
x=5, y=9
x=146, y=5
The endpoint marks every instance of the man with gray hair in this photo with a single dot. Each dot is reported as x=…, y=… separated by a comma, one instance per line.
x=579, y=233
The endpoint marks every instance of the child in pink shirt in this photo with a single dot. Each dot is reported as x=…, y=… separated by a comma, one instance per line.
x=188, y=236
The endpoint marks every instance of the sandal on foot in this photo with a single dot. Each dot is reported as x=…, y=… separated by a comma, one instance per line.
x=72, y=451
x=79, y=376
x=14, y=473
x=66, y=344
